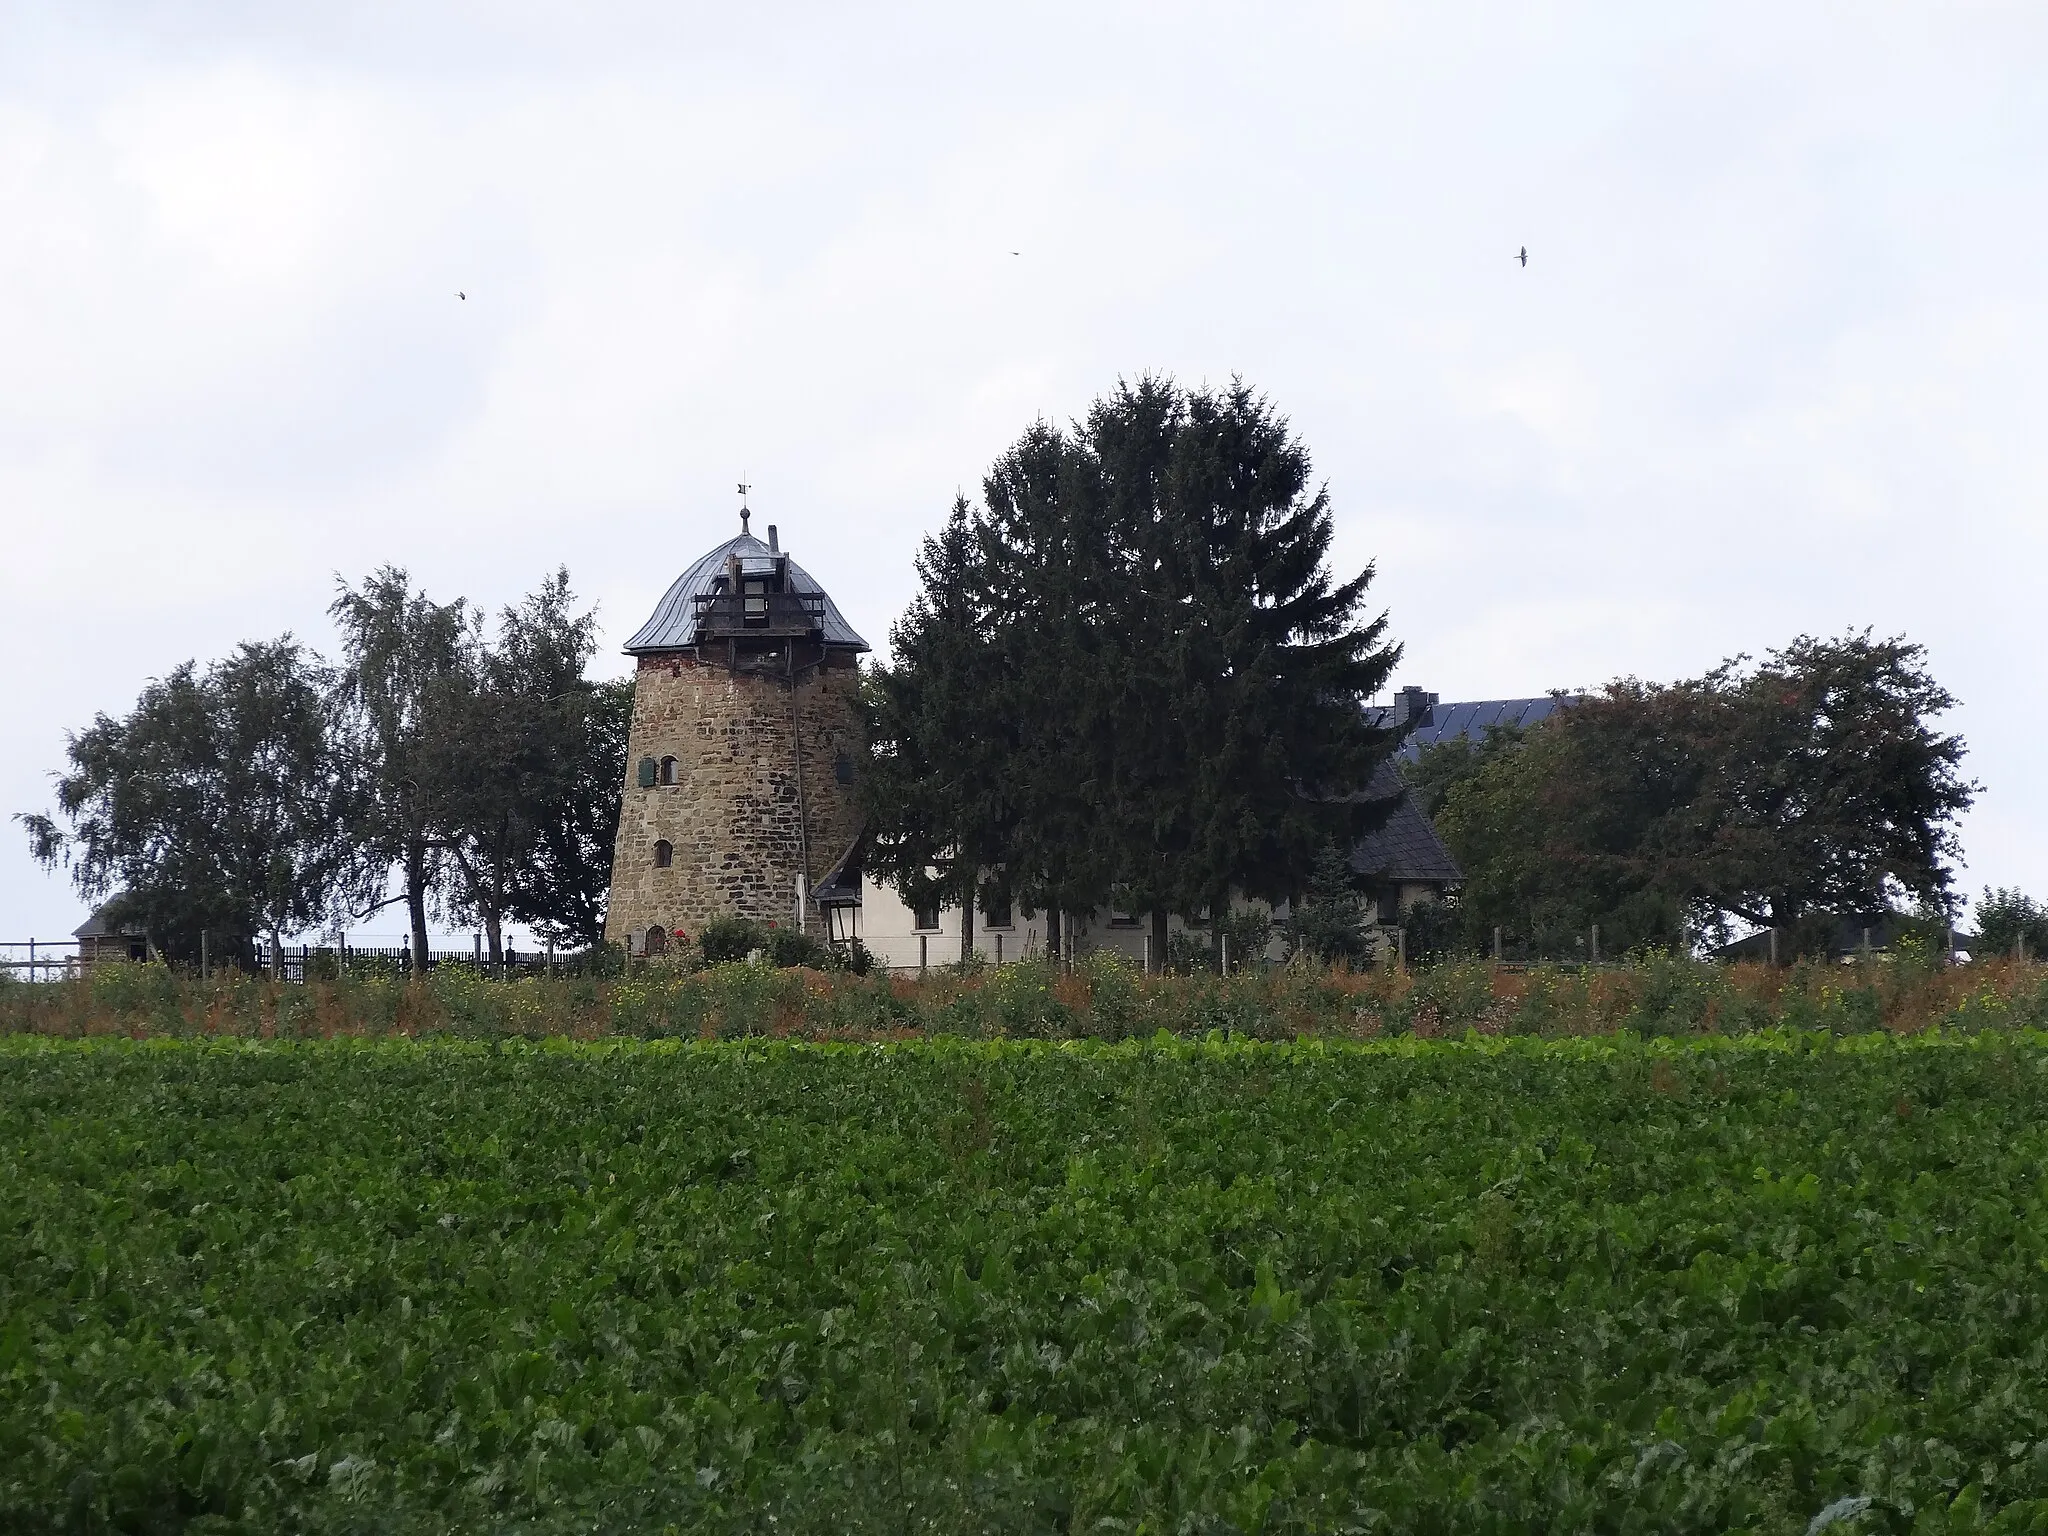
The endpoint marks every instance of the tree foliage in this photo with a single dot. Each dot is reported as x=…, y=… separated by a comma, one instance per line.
x=523, y=757
x=218, y=805
x=1813, y=782
x=273, y=793
x=495, y=764
x=406, y=658
x=936, y=771
x=1129, y=677
x=2007, y=918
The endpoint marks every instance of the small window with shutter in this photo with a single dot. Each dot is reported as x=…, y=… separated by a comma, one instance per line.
x=648, y=770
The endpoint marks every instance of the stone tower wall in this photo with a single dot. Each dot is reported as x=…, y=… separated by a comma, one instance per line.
x=731, y=817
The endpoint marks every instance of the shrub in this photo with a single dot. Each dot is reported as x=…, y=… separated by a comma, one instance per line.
x=1248, y=930
x=730, y=938
x=786, y=947
x=1188, y=953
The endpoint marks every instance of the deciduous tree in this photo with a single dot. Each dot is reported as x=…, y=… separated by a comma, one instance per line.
x=218, y=805
x=1814, y=782
x=404, y=656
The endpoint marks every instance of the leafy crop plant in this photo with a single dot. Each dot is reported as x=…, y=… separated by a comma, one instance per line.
x=1783, y=1283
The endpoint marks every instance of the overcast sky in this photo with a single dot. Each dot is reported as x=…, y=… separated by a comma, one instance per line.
x=1775, y=365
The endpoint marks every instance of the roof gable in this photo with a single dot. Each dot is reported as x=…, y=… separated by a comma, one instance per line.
x=1404, y=847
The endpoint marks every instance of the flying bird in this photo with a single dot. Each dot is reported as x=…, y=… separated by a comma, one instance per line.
x=1525, y=256
x=463, y=296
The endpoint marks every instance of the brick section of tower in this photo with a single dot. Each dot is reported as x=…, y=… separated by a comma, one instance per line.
x=731, y=817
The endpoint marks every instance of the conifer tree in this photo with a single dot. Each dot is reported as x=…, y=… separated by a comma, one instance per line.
x=1270, y=663
x=933, y=790
x=1131, y=677
x=1045, y=545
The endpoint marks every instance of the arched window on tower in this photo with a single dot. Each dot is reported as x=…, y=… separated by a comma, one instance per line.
x=664, y=854
x=668, y=770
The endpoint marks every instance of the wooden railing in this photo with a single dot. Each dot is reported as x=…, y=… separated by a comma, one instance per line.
x=762, y=613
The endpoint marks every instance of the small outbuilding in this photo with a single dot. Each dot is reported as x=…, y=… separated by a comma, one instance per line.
x=100, y=940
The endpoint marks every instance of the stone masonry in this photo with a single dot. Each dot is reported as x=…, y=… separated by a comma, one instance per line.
x=731, y=817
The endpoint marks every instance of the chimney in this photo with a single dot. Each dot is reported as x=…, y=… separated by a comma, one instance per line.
x=773, y=547
x=1413, y=708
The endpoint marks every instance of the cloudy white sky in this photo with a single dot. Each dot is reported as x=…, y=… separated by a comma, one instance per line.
x=1770, y=368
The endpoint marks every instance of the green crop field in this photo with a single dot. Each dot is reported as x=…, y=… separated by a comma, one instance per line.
x=1782, y=1283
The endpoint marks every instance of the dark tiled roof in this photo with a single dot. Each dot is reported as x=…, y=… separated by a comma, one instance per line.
x=674, y=624
x=1445, y=722
x=95, y=927
x=1405, y=847
x=841, y=885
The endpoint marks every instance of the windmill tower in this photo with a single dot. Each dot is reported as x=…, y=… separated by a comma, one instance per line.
x=739, y=797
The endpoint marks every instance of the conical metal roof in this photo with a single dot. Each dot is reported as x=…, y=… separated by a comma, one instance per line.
x=674, y=624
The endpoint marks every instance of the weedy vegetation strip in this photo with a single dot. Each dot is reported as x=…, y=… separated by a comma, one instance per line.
x=1783, y=1283
x=1105, y=999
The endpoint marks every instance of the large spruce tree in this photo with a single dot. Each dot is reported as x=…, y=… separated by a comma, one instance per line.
x=1130, y=677
x=1249, y=661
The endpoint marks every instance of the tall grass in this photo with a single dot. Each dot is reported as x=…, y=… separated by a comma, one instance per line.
x=1103, y=999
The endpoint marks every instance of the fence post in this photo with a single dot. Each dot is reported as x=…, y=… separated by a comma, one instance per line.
x=31, y=959
x=1774, y=946
x=999, y=949
x=1496, y=944
x=551, y=957
x=1401, y=946
x=1596, y=943
x=1223, y=950
x=923, y=945
x=1147, y=943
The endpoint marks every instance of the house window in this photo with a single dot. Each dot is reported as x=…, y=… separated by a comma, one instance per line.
x=842, y=767
x=1390, y=907
x=664, y=854
x=668, y=770
x=756, y=593
x=997, y=914
x=1123, y=919
x=925, y=916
